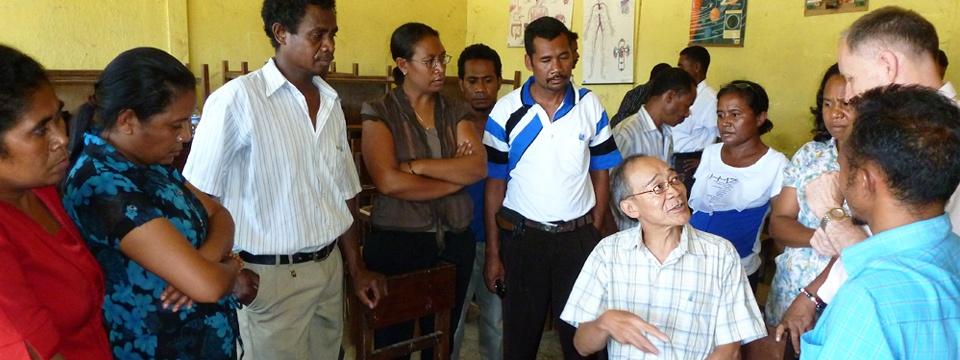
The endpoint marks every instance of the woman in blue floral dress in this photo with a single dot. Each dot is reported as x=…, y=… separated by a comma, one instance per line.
x=795, y=217
x=164, y=247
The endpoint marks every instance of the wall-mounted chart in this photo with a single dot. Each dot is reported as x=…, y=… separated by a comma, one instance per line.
x=718, y=22
x=607, y=36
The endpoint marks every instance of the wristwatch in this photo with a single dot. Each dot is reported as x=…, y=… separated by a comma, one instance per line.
x=835, y=214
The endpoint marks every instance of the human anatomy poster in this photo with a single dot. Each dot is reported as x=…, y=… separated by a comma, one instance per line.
x=607, y=41
x=718, y=22
x=522, y=12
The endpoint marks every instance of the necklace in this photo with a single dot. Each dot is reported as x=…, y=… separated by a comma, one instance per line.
x=420, y=119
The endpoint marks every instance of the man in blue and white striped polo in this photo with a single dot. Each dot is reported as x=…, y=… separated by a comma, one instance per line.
x=549, y=148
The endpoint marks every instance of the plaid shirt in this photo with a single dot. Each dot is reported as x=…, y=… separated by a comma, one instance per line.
x=699, y=296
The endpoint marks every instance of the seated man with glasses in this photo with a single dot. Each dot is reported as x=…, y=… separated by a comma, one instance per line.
x=662, y=289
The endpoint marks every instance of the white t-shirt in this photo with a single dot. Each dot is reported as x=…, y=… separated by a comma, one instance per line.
x=721, y=187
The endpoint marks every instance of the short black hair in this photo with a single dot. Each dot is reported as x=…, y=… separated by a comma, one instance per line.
x=673, y=78
x=755, y=97
x=820, y=132
x=479, y=52
x=942, y=62
x=699, y=55
x=657, y=69
x=894, y=26
x=913, y=134
x=288, y=14
x=20, y=77
x=545, y=27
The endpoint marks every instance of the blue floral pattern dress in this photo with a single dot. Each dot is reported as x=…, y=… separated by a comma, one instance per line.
x=108, y=196
x=797, y=267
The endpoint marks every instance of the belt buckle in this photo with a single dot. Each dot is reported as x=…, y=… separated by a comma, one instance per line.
x=316, y=256
x=550, y=227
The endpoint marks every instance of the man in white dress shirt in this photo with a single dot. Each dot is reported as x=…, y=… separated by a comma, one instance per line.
x=272, y=147
x=700, y=128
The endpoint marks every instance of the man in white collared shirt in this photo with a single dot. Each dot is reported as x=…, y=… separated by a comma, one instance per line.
x=272, y=147
x=700, y=128
x=664, y=278
x=649, y=131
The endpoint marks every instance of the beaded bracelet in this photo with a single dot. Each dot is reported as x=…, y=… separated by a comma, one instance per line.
x=820, y=305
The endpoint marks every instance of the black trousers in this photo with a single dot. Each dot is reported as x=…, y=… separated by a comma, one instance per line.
x=540, y=270
x=399, y=252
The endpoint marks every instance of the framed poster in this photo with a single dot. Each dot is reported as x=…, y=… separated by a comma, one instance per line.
x=718, y=22
x=522, y=12
x=608, y=45
x=824, y=7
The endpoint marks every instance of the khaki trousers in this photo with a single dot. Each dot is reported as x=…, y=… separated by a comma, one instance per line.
x=295, y=317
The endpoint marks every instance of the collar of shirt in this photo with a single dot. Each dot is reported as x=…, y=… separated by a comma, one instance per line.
x=635, y=242
x=570, y=99
x=273, y=80
x=103, y=151
x=702, y=85
x=645, y=120
x=948, y=90
x=922, y=235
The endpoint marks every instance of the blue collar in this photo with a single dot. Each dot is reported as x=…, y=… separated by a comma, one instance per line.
x=569, y=99
x=921, y=235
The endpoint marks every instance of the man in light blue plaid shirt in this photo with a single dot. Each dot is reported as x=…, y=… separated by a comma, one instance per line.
x=664, y=289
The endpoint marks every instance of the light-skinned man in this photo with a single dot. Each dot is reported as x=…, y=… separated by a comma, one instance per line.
x=898, y=167
x=549, y=149
x=481, y=73
x=272, y=147
x=662, y=289
x=873, y=52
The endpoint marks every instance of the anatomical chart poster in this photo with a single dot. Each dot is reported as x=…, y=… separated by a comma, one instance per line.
x=607, y=46
x=522, y=12
x=718, y=22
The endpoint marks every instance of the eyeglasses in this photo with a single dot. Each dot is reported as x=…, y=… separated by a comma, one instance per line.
x=436, y=62
x=660, y=188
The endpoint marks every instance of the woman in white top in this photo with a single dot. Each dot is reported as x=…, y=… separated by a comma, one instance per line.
x=738, y=177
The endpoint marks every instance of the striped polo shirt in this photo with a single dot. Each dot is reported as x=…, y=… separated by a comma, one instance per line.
x=547, y=164
x=284, y=180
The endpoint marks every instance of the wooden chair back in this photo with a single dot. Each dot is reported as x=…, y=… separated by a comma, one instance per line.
x=228, y=74
x=412, y=296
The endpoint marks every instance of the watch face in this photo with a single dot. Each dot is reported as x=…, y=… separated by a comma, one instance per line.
x=838, y=213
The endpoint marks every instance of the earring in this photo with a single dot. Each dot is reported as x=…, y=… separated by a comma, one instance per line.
x=179, y=138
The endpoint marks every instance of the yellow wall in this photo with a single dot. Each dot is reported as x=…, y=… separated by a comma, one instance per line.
x=784, y=51
x=233, y=30
x=83, y=34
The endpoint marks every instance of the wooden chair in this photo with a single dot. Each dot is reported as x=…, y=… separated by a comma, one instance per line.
x=205, y=81
x=354, y=71
x=228, y=74
x=515, y=81
x=412, y=296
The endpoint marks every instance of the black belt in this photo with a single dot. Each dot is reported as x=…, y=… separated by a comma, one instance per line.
x=297, y=258
x=510, y=220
